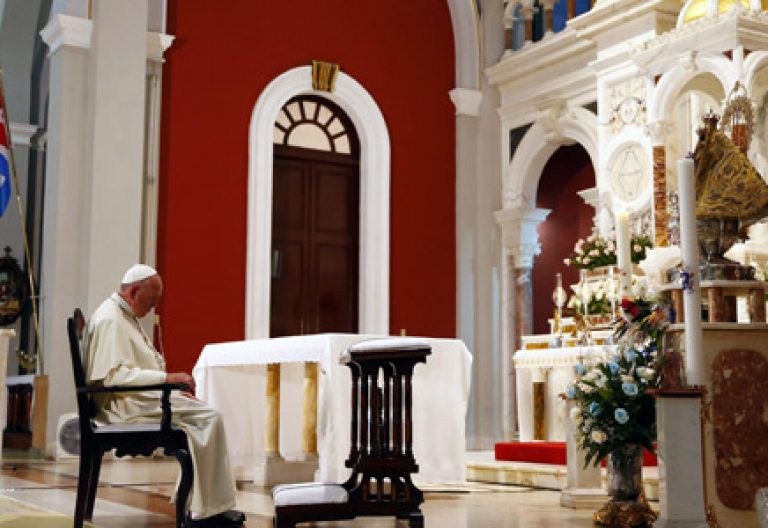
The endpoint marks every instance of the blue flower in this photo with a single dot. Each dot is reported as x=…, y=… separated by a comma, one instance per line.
x=594, y=408
x=581, y=369
x=630, y=389
x=621, y=415
x=631, y=355
x=613, y=366
x=615, y=358
x=570, y=392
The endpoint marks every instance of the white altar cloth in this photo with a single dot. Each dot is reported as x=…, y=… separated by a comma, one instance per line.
x=555, y=366
x=232, y=378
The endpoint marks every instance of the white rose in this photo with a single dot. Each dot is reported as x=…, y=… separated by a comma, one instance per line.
x=627, y=379
x=575, y=414
x=600, y=382
x=646, y=373
x=586, y=389
x=598, y=437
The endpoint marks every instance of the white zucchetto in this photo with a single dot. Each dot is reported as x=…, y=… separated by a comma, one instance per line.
x=138, y=272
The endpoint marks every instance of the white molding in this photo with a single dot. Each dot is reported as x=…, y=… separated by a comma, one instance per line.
x=563, y=127
x=21, y=134
x=66, y=30
x=519, y=235
x=670, y=85
x=466, y=101
x=466, y=36
x=157, y=44
x=374, y=198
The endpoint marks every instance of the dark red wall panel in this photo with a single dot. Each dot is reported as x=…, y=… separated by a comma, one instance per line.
x=224, y=55
x=568, y=170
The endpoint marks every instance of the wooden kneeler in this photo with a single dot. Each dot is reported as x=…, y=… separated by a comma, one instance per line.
x=381, y=454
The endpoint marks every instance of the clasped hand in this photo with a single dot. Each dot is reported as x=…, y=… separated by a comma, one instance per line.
x=182, y=377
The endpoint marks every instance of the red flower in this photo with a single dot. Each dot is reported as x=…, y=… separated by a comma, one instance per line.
x=630, y=307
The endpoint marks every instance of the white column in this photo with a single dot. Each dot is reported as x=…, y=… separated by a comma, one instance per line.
x=94, y=163
x=117, y=84
x=64, y=277
x=623, y=253
x=157, y=44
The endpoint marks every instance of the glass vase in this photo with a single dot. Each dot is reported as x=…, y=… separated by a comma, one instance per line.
x=625, y=471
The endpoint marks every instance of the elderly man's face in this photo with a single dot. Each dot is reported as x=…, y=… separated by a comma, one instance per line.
x=145, y=295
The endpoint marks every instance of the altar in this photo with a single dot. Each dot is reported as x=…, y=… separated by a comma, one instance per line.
x=543, y=374
x=232, y=377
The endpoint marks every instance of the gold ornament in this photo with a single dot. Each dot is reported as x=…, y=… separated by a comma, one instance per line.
x=625, y=514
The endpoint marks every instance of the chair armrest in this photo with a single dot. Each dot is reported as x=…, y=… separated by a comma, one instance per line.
x=165, y=400
x=133, y=388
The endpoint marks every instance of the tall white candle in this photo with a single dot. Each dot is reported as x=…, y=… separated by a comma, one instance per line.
x=689, y=247
x=623, y=253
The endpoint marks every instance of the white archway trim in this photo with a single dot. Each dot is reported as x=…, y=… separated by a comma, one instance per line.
x=374, y=198
x=575, y=125
x=466, y=42
x=671, y=83
x=754, y=64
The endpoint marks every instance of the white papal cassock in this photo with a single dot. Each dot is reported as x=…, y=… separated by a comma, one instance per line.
x=120, y=353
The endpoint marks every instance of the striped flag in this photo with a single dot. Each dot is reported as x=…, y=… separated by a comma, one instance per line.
x=5, y=164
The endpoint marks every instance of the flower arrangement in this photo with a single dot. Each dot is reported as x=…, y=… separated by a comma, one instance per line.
x=596, y=251
x=613, y=405
x=599, y=295
x=601, y=292
x=591, y=253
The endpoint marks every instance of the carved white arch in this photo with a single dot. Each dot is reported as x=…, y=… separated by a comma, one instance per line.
x=371, y=128
x=466, y=42
x=575, y=125
x=754, y=64
x=668, y=89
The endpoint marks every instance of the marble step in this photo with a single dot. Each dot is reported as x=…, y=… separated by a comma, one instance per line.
x=544, y=476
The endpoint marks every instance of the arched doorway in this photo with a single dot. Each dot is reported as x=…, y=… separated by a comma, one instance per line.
x=315, y=219
x=568, y=171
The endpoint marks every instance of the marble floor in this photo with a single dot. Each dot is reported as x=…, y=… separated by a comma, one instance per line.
x=134, y=494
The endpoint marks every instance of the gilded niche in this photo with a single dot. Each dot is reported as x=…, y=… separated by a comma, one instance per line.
x=740, y=423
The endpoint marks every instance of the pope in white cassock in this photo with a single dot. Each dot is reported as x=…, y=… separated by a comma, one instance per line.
x=120, y=353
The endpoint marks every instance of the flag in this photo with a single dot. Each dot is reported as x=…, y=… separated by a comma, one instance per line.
x=5, y=164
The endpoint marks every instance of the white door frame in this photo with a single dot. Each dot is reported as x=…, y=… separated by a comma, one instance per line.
x=369, y=124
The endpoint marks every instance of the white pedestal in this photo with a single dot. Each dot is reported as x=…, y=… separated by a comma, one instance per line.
x=681, y=479
x=5, y=336
x=276, y=470
x=584, y=489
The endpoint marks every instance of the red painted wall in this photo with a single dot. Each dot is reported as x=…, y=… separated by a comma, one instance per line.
x=224, y=55
x=568, y=170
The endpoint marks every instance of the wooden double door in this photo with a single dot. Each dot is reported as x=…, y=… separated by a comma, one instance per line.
x=315, y=242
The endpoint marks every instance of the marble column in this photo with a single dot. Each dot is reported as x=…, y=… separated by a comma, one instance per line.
x=660, y=215
x=520, y=245
x=272, y=415
x=523, y=304
x=309, y=435
x=273, y=469
x=539, y=387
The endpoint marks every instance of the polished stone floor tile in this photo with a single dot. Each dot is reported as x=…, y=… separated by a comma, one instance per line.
x=134, y=494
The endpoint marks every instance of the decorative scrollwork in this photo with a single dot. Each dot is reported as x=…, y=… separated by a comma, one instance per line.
x=738, y=107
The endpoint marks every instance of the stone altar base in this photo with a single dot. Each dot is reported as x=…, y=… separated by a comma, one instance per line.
x=276, y=470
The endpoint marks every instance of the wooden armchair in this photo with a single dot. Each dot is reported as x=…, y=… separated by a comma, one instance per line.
x=127, y=439
x=381, y=455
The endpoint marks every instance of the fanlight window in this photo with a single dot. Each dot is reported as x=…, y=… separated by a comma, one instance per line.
x=314, y=123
